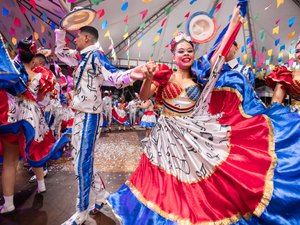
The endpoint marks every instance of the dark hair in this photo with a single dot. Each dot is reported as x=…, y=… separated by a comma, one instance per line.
x=40, y=55
x=235, y=44
x=90, y=30
x=24, y=48
x=298, y=42
x=183, y=40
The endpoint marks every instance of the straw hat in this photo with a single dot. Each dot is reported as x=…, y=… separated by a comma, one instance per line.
x=78, y=18
x=201, y=27
x=45, y=51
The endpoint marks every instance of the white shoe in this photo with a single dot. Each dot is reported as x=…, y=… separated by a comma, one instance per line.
x=145, y=139
x=77, y=219
x=6, y=210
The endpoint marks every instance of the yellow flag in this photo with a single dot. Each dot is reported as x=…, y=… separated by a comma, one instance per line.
x=125, y=35
x=291, y=56
x=107, y=34
x=156, y=38
x=175, y=33
x=36, y=35
x=139, y=43
x=270, y=52
x=245, y=24
x=14, y=40
x=245, y=57
x=42, y=28
x=291, y=35
x=280, y=55
x=275, y=30
x=272, y=67
x=147, y=1
x=279, y=2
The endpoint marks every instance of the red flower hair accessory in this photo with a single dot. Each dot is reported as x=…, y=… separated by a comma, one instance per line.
x=33, y=48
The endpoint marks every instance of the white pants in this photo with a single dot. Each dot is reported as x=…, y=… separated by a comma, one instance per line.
x=86, y=130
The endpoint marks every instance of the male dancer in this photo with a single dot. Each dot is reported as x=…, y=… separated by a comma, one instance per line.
x=93, y=70
x=233, y=64
x=132, y=107
x=107, y=109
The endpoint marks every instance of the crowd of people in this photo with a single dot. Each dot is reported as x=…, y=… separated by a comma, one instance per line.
x=214, y=153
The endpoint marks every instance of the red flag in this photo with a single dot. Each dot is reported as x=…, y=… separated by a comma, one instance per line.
x=32, y=2
x=126, y=19
x=218, y=6
x=100, y=13
x=22, y=9
x=144, y=13
x=163, y=22
x=187, y=15
x=17, y=22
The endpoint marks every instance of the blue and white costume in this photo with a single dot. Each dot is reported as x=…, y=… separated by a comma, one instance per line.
x=107, y=109
x=93, y=70
x=245, y=70
x=132, y=107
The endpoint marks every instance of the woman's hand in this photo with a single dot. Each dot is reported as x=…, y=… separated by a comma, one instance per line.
x=144, y=71
x=150, y=70
x=236, y=15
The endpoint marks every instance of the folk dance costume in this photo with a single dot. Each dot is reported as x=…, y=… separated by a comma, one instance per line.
x=65, y=98
x=107, y=110
x=21, y=120
x=132, y=107
x=290, y=81
x=93, y=70
x=215, y=156
x=148, y=119
x=51, y=104
x=245, y=70
x=119, y=114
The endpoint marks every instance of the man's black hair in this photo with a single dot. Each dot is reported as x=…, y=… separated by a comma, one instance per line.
x=235, y=44
x=40, y=55
x=90, y=30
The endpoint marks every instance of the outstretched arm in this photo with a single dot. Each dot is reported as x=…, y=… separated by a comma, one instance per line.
x=148, y=87
x=64, y=54
x=145, y=105
x=233, y=27
x=278, y=94
x=114, y=76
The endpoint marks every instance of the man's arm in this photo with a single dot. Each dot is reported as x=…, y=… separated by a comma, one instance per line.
x=66, y=55
x=112, y=75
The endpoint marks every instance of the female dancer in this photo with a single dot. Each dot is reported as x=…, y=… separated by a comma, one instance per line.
x=218, y=157
x=284, y=81
x=119, y=114
x=23, y=130
x=148, y=119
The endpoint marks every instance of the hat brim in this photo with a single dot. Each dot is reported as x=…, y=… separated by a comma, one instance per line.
x=201, y=27
x=44, y=51
x=77, y=19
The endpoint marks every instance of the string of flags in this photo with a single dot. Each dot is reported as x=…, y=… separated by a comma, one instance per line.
x=42, y=29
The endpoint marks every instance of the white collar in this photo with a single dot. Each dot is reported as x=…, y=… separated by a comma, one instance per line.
x=233, y=63
x=89, y=48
